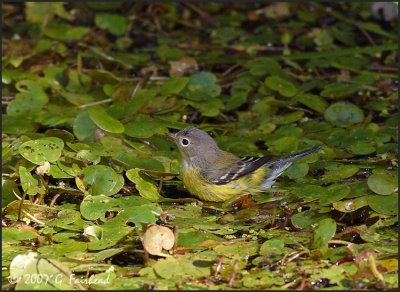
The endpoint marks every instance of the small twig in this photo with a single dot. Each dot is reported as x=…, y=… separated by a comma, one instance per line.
x=136, y=88
x=53, y=201
x=374, y=269
x=290, y=284
x=95, y=103
x=382, y=68
x=302, y=284
x=293, y=257
x=219, y=265
x=364, y=32
x=336, y=241
x=33, y=218
x=234, y=272
x=230, y=69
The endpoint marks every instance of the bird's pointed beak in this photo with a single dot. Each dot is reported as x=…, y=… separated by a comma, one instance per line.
x=172, y=136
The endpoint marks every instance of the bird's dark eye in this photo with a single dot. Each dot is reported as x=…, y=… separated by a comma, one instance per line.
x=185, y=142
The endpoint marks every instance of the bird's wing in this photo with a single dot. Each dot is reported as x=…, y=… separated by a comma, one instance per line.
x=234, y=169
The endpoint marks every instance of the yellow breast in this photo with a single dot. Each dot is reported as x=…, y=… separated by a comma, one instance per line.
x=205, y=191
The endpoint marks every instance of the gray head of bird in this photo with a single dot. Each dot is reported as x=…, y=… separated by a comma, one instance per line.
x=195, y=144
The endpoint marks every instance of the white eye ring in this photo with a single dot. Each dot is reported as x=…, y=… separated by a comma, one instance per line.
x=184, y=142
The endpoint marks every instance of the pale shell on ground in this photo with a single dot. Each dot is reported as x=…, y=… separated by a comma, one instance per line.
x=156, y=238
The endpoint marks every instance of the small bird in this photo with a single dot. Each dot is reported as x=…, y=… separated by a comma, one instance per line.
x=212, y=174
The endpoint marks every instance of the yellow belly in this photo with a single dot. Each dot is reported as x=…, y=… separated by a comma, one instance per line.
x=205, y=191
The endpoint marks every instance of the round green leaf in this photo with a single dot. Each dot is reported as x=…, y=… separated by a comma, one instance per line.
x=344, y=114
x=273, y=245
x=168, y=268
x=314, y=102
x=209, y=108
x=297, y=170
x=102, y=180
x=65, y=32
x=283, y=86
x=145, y=186
x=65, y=217
x=309, y=191
x=201, y=86
x=362, y=148
x=334, y=193
x=13, y=235
x=288, y=118
x=41, y=150
x=324, y=232
x=307, y=218
x=8, y=188
x=29, y=101
x=382, y=183
x=114, y=23
x=264, y=65
x=104, y=121
x=174, y=85
x=145, y=129
x=95, y=207
x=29, y=184
x=12, y=125
x=386, y=205
x=339, y=90
x=350, y=205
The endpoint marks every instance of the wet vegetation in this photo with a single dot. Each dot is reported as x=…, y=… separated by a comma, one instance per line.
x=91, y=195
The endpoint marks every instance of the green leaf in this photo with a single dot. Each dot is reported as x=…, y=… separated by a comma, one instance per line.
x=168, y=268
x=145, y=186
x=362, y=148
x=114, y=23
x=13, y=125
x=209, y=108
x=95, y=207
x=297, y=170
x=8, y=188
x=104, y=121
x=307, y=218
x=65, y=217
x=350, y=205
x=288, y=118
x=102, y=180
x=382, y=183
x=201, y=86
x=272, y=246
x=338, y=172
x=339, y=90
x=132, y=160
x=140, y=214
x=264, y=65
x=325, y=230
x=314, y=102
x=334, y=193
x=14, y=235
x=174, y=85
x=386, y=205
x=84, y=128
x=344, y=114
x=29, y=184
x=194, y=239
x=284, y=87
x=309, y=192
x=29, y=101
x=65, y=32
x=41, y=150
x=145, y=129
